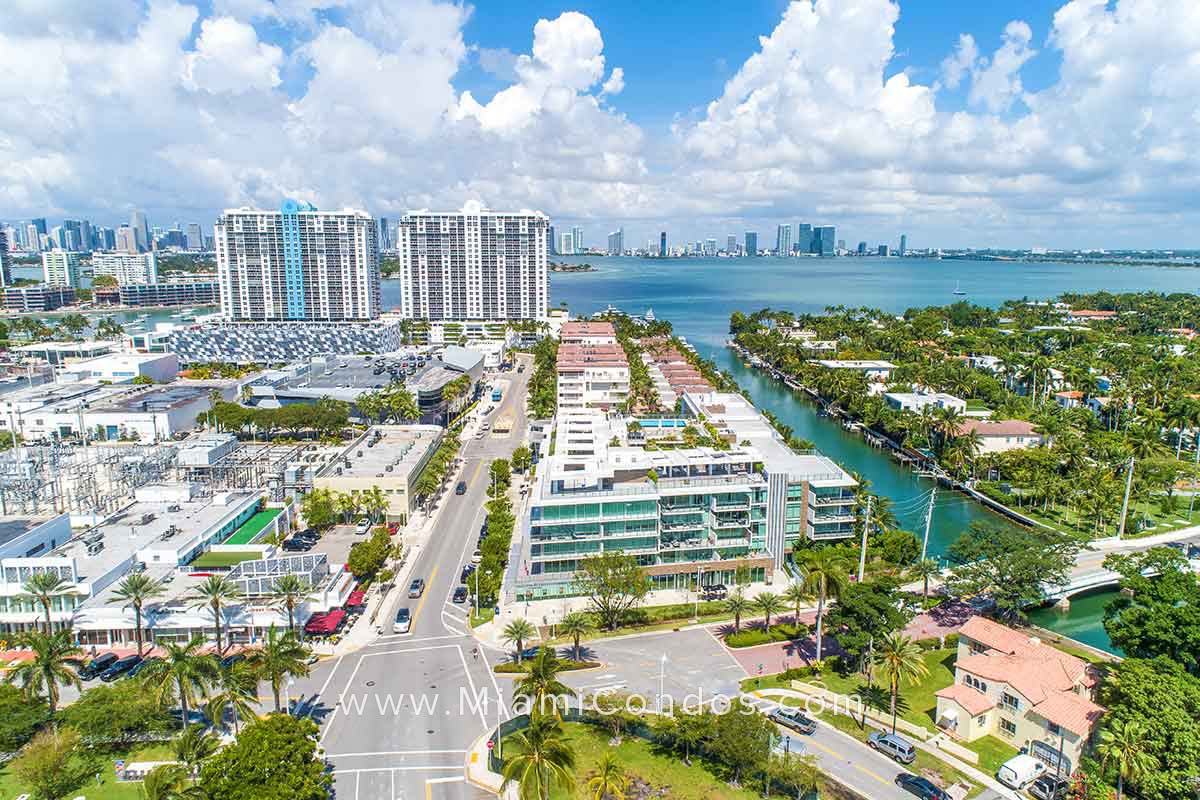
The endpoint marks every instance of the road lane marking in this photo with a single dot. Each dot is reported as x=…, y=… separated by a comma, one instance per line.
x=420, y=768
x=451, y=779
x=333, y=714
x=424, y=595
x=492, y=674
x=407, y=640
x=471, y=680
x=400, y=753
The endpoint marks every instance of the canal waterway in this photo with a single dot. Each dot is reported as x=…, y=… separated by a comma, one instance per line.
x=1084, y=622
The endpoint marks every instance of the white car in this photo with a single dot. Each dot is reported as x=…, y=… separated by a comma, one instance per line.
x=403, y=621
x=1020, y=771
x=363, y=526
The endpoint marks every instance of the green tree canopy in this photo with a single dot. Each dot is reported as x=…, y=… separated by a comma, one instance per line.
x=20, y=718
x=114, y=715
x=1009, y=564
x=1156, y=613
x=273, y=759
x=865, y=613
x=614, y=583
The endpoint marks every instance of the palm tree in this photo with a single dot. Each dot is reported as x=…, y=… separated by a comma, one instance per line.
x=768, y=603
x=609, y=780
x=926, y=569
x=215, y=592
x=184, y=673
x=42, y=588
x=289, y=592
x=49, y=668
x=899, y=660
x=542, y=759
x=193, y=746
x=737, y=604
x=280, y=657
x=135, y=591
x=1123, y=742
x=346, y=504
x=236, y=688
x=374, y=502
x=797, y=595
x=541, y=682
x=824, y=574
x=517, y=633
x=577, y=624
x=164, y=782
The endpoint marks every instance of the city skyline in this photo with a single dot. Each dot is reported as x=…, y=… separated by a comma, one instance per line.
x=963, y=127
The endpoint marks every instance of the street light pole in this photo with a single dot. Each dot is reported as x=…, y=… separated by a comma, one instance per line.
x=662, y=674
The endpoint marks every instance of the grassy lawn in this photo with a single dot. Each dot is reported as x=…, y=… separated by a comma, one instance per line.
x=484, y=615
x=640, y=759
x=916, y=704
x=109, y=788
x=211, y=560
x=662, y=618
x=1072, y=522
x=992, y=752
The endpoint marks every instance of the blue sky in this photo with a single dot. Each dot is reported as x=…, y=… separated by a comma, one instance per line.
x=1055, y=123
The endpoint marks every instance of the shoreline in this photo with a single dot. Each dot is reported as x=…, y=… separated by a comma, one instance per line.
x=871, y=438
x=105, y=311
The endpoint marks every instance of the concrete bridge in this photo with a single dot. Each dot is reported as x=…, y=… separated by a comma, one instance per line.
x=1080, y=582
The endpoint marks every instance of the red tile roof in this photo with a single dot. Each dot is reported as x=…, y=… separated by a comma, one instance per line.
x=972, y=700
x=1002, y=427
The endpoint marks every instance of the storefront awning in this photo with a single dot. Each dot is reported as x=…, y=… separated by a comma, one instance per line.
x=326, y=622
x=356, y=598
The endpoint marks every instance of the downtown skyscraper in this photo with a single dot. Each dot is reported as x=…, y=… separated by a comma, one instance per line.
x=616, y=242
x=474, y=264
x=298, y=264
x=783, y=240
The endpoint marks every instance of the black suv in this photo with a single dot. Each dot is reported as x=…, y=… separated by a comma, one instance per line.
x=1050, y=787
x=97, y=665
x=921, y=787
x=461, y=488
x=119, y=668
x=460, y=595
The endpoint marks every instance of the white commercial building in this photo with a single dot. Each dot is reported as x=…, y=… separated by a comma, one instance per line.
x=474, y=264
x=918, y=401
x=127, y=268
x=55, y=411
x=124, y=368
x=298, y=264
x=61, y=268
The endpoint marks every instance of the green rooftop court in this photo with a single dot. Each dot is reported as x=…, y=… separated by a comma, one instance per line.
x=253, y=527
x=211, y=560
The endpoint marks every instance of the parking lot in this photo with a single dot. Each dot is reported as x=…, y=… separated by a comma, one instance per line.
x=336, y=543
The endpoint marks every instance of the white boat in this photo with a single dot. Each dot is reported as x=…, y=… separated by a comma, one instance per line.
x=957, y=290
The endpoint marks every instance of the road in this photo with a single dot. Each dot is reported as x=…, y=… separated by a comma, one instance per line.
x=409, y=704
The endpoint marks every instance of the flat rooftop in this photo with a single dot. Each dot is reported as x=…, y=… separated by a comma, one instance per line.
x=168, y=398
x=582, y=328
x=67, y=347
x=47, y=396
x=143, y=524
x=12, y=527
x=344, y=378
x=400, y=447
x=577, y=356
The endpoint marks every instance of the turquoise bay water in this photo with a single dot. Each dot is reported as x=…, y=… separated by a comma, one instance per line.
x=1084, y=622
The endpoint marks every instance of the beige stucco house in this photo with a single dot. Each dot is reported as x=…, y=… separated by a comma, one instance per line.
x=1022, y=691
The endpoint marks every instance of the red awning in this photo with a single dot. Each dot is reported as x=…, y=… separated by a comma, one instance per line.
x=356, y=598
x=325, y=622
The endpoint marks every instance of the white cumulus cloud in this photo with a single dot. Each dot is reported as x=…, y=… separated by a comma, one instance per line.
x=230, y=58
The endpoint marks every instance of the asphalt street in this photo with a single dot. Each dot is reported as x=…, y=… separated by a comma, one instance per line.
x=398, y=716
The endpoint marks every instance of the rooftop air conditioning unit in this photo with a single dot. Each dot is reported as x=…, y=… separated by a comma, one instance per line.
x=147, y=518
x=388, y=468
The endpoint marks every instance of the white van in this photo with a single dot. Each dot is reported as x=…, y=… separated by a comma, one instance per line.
x=1020, y=771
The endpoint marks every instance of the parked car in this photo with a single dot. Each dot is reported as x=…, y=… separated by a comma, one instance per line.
x=921, y=787
x=893, y=746
x=119, y=668
x=416, y=588
x=231, y=659
x=467, y=571
x=1193, y=551
x=460, y=595
x=141, y=665
x=477, y=556
x=363, y=526
x=297, y=545
x=403, y=621
x=1020, y=771
x=1180, y=546
x=793, y=718
x=97, y=665
x=1050, y=787
x=461, y=488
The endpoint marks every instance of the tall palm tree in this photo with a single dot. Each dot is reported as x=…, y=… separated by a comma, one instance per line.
x=541, y=682
x=797, y=595
x=193, y=746
x=1123, y=743
x=517, y=633
x=737, y=604
x=49, y=668
x=289, y=592
x=609, y=779
x=42, y=588
x=768, y=603
x=164, y=782
x=346, y=504
x=134, y=592
x=577, y=624
x=184, y=673
x=539, y=759
x=280, y=657
x=926, y=569
x=824, y=574
x=215, y=592
x=236, y=689
x=899, y=660
x=374, y=502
